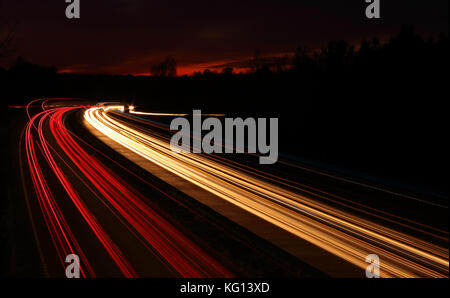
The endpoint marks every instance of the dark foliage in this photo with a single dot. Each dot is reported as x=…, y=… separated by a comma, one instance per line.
x=167, y=68
x=378, y=108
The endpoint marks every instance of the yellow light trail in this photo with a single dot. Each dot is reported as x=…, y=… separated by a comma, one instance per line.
x=132, y=110
x=345, y=235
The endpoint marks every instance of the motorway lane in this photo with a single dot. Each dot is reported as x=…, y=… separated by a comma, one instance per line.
x=81, y=206
x=67, y=215
x=346, y=235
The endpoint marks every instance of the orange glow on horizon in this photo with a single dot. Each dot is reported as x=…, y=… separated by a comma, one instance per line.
x=181, y=70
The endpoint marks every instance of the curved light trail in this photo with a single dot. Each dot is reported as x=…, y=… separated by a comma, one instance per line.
x=131, y=208
x=348, y=236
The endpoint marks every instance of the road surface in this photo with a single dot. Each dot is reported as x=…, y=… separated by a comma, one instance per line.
x=118, y=196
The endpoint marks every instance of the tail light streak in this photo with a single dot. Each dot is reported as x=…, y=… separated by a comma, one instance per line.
x=180, y=254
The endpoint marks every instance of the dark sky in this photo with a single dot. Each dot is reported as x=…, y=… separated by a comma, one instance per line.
x=127, y=36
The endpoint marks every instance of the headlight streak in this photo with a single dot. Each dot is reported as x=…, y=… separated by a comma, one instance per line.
x=183, y=204
x=345, y=235
x=131, y=110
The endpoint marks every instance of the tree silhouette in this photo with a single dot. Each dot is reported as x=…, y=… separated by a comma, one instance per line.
x=167, y=68
x=227, y=71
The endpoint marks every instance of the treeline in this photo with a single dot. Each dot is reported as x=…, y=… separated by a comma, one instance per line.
x=377, y=107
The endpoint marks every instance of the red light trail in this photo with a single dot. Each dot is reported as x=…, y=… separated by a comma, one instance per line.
x=50, y=145
x=130, y=207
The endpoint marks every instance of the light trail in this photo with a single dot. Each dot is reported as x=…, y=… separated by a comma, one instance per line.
x=90, y=219
x=62, y=237
x=181, y=255
x=132, y=110
x=345, y=235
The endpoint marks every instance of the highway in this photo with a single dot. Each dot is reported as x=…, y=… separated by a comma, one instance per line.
x=102, y=203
